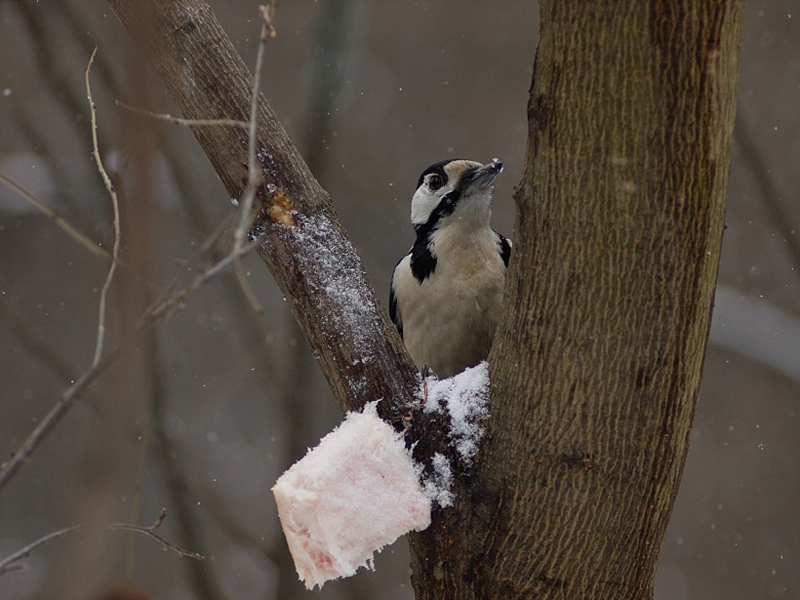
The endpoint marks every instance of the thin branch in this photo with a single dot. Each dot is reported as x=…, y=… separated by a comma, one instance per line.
x=148, y=531
x=252, y=299
x=79, y=385
x=172, y=303
x=254, y=178
x=306, y=248
x=56, y=218
x=27, y=337
x=10, y=563
x=166, y=306
x=219, y=508
x=62, y=405
x=7, y=564
x=180, y=121
x=202, y=580
x=158, y=312
x=101, y=319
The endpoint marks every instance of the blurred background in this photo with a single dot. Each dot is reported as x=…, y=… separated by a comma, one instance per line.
x=209, y=409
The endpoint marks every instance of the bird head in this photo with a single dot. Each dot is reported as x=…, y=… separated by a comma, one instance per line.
x=453, y=187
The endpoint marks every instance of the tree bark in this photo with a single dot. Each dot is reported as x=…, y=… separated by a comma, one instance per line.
x=597, y=362
x=305, y=248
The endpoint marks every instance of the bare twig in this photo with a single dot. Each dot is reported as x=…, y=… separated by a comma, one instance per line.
x=166, y=306
x=56, y=217
x=172, y=303
x=11, y=562
x=182, y=499
x=150, y=532
x=252, y=299
x=158, y=312
x=99, y=362
x=254, y=178
x=253, y=173
x=218, y=507
x=101, y=319
x=181, y=121
x=35, y=344
x=62, y=405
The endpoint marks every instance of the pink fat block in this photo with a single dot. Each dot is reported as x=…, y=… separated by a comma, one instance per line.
x=353, y=494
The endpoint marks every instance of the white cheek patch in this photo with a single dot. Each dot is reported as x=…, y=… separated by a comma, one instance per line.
x=422, y=206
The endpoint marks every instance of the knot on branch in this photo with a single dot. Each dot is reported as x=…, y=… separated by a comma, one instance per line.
x=280, y=208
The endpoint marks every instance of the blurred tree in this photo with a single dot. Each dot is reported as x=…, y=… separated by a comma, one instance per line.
x=597, y=366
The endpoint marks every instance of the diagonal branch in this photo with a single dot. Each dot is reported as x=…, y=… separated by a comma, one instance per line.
x=159, y=311
x=305, y=246
x=56, y=218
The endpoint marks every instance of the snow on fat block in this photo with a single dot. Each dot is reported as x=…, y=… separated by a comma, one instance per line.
x=353, y=494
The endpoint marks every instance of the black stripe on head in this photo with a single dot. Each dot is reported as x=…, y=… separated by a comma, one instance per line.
x=423, y=262
x=444, y=209
x=437, y=168
x=448, y=202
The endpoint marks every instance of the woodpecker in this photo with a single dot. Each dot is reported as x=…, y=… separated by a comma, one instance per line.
x=446, y=293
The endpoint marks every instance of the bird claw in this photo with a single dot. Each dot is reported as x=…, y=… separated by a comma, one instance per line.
x=426, y=372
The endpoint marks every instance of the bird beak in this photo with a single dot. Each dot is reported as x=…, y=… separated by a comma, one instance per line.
x=483, y=176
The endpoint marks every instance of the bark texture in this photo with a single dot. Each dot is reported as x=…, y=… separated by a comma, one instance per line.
x=306, y=249
x=596, y=365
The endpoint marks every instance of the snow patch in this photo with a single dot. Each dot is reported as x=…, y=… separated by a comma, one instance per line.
x=353, y=494
x=339, y=275
x=438, y=487
x=463, y=400
x=464, y=397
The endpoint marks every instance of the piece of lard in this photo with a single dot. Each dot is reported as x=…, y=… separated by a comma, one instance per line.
x=353, y=494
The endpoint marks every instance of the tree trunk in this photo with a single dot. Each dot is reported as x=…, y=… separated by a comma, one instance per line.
x=597, y=362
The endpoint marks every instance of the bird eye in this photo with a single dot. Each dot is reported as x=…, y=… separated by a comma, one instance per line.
x=435, y=182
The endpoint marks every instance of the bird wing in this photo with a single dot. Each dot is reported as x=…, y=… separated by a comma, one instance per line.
x=505, y=247
x=393, y=312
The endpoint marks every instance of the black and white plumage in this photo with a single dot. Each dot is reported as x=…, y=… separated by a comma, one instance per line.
x=446, y=293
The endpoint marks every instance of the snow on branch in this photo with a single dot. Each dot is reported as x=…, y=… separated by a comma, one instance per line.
x=464, y=398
